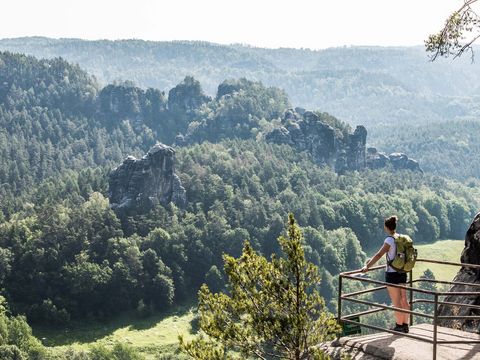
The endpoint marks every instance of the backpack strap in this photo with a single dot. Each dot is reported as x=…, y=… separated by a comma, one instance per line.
x=388, y=259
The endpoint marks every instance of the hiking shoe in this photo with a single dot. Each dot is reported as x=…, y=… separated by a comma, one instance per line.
x=405, y=328
x=399, y=328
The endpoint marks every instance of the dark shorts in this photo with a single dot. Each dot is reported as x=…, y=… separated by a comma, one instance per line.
x=395, y=278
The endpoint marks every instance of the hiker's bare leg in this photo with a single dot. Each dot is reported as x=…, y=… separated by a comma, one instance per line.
x=404, y=304
x=395, y=296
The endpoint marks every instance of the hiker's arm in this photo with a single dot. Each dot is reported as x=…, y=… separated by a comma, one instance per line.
x=383, y=250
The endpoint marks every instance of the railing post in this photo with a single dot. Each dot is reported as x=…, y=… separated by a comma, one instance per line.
x=435, y=321
x=339, y=309
x=411, y=296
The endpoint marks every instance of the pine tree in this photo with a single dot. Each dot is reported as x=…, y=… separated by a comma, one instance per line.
x=426, y=308
x=273, y=309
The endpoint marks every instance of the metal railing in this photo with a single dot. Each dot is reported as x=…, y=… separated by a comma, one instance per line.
x=435, y=317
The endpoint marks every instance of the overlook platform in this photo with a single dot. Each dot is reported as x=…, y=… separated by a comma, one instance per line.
x=396, y=347
x=424, y=341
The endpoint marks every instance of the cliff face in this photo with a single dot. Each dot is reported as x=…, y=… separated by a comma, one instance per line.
x=342, y=151
x=139, y=184
x=470, y=255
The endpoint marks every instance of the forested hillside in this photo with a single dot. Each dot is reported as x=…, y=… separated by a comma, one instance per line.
x=427, y=110
x=447, y=149
x=65, y=254
x=55, y=117
x=367, y=85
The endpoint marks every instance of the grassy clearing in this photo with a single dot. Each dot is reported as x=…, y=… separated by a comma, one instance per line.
x=446, y=250
x=153, y=336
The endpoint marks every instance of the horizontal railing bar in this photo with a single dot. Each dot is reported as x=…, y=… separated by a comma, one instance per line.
x=358, y=271
x=367, y=312
x=459, y=293
x=445, y=282
x=466, y=317
x=448, y=263
x=388, y=307
x=387, y=284
x=441, y=293
x=446, y=303
x=458, y=341
x=418, y=260
x=364, y=291
x=374, y=327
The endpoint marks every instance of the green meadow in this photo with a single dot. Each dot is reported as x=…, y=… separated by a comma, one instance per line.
x=155, y=337
x=444, y=250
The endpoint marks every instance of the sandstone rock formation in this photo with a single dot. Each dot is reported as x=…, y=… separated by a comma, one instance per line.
x=305, y=131
x=139, y=184
x=187, y=96
x=470, y=255
x=331, y=146
x=377, y=160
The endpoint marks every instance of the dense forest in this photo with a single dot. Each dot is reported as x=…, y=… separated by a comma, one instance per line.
x=445, y=149
x=55, y=117
x=66, y=255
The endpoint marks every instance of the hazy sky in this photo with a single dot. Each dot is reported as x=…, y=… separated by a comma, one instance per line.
x=268, y=23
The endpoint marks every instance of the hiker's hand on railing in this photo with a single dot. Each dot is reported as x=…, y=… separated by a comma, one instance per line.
x=365, y=267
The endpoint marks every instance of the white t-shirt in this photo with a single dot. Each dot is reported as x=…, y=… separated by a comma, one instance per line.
x=391, y=252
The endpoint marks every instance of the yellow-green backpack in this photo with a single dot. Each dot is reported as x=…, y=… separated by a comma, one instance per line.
x=405, y=255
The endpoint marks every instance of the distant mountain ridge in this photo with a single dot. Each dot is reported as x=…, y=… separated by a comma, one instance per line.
x=367, y=85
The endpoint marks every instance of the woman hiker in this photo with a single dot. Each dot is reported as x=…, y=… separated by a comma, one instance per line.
x=397, y=295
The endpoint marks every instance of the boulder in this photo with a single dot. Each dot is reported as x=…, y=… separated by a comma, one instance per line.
x=470, y=255
x=279, y=136
x=375, y=159
x=290, y=115
x=300, y=110
x=413, y=165
x=398, y=160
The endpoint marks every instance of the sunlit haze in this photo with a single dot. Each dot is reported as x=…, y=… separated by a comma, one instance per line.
x=265, y=23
